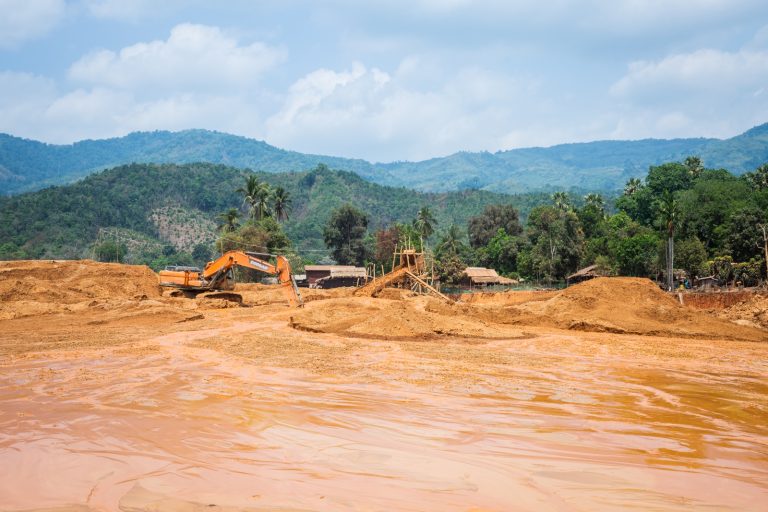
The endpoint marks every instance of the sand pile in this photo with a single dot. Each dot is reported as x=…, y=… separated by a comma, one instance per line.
x=41, y=287
x=752, y=312
x=407, y=318
x=624, y=305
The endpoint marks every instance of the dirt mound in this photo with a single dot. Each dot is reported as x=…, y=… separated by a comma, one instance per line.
x=402, y=318
x=752, y=312
x=625, y=305
x=41, y=287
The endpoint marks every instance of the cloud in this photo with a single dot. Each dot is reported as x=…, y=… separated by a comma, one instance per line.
x=131, y=10
x=25, y=20
x=193, y=57
x=369, y=113
x=710, y=92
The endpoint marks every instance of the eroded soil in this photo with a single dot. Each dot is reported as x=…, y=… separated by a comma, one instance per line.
x=128, y=400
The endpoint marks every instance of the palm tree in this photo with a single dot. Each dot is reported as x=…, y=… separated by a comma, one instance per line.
x=263, y=197
x=229, y=220
x=694, y=165
x=251, y=193
x=451, y=242
x=281, y=203
x=561, y=201
x=425, y=222
x=595, y=200
x=632, y=186
x=669, y=211
x=759, y=177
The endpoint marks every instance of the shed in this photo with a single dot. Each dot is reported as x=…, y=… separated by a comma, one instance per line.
x=480, y=276
x=334, y=276
x=315, y=272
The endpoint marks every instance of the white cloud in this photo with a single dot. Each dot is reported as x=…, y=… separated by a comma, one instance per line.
x=703, y=71
x=193, y=57
x=706, y=92
x=371, y=114
x=24, y=20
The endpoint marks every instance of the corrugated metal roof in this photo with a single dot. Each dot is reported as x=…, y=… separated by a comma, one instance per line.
x=351, y=272
x=328, y=268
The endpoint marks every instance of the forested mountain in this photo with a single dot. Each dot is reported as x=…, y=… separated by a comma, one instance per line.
x=27, y=165
x=165, y=208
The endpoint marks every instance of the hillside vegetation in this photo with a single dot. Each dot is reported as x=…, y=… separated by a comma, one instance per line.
x=159, y=210
x=27, y=165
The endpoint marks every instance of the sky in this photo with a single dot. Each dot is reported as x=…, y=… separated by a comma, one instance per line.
x=385, y=80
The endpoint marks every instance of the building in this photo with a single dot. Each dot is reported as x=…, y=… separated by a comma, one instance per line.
x=480, y=277
x=333, y=276
x=585, y=274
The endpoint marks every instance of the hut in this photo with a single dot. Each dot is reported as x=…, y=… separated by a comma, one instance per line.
x=585, y=274
x=334, y=276
x=474, y=277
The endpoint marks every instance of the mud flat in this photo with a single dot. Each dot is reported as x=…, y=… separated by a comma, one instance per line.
x=606, y=396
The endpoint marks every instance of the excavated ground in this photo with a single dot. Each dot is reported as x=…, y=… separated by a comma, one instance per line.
x=607, y=395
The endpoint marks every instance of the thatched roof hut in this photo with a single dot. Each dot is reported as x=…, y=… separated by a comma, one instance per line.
x=479, y=276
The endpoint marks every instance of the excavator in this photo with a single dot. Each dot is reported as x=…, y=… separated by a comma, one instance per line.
x=217, y=275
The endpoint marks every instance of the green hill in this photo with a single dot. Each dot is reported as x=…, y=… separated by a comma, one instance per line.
x=150, y=205
x=27, y=165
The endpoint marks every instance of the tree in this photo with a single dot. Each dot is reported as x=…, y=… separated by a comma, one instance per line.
x=228, y=221
x=669, y=177
x=281, y=203
x=561, y=201
x=694, y=166
x=691, y=256
x=425, y=222
x=110, y=251
x=632, y=186
x=669, y=212
x=345, y=234
x=556, y=241
x=501, y=252
x=251, y=193
x=759, y=177
x=494, y=217
x=592, y=216
x=263, y=197
x=451, y=242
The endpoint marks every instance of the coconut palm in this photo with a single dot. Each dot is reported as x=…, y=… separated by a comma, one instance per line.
x=229, y=220
x=632, y=186
x=451, y=242
x=281, y=203
x=425, y=222
x=263, y=198
x=250, y=193
x=669, y=212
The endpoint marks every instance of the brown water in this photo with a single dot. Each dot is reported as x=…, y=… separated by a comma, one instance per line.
x=177, y=428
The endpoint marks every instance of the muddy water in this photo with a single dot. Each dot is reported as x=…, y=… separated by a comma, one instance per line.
x=176, y=428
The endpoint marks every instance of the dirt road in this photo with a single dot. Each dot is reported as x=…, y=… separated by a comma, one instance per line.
x=146, y=403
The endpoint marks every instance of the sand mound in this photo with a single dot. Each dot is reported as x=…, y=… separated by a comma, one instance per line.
x=409, y=318
x=752, y=312
x=624, y=305
x=42, y=287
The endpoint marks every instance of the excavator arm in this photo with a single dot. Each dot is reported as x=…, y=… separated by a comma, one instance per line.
x=214, y=276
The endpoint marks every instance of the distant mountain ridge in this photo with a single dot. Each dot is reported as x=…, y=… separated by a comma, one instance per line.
x=27, y=165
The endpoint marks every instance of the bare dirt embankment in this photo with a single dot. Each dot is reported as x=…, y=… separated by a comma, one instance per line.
x=615, y=305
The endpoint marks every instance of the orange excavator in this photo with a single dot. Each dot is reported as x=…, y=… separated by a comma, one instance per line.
x=217, y=275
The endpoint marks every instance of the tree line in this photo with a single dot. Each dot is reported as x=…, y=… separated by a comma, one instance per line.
x=682, y=220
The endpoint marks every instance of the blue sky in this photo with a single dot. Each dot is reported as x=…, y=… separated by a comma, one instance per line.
x=385, y=80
